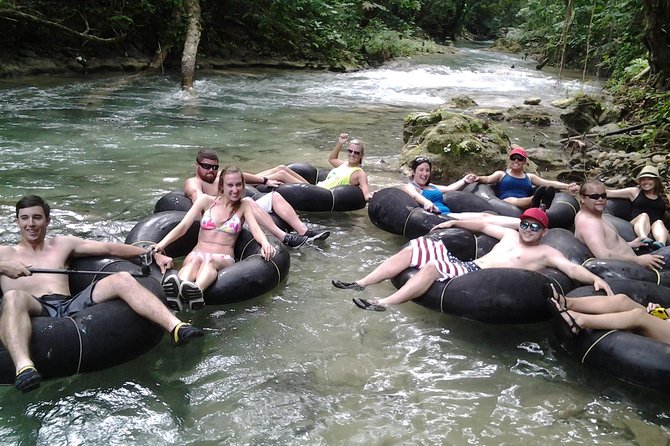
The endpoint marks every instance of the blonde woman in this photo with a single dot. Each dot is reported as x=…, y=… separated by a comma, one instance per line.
x=221, y=219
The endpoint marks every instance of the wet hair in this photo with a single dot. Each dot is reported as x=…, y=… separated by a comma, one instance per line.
x=33, y=200
x=206, y=154
x=419, y=160
x=228, y=170
x=582, y=189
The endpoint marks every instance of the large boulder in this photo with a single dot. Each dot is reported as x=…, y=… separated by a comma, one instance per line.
x=455, y=143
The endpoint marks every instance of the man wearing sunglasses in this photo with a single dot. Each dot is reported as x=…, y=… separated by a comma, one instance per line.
x=600, y=236
x=205, y=182
x=516, y=249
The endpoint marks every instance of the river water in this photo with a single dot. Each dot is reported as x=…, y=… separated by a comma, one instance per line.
x=300, y=365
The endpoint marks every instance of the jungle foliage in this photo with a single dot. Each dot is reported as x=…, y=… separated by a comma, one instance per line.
x=602, y=36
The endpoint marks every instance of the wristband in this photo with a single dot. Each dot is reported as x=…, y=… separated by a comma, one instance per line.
x=265, y=180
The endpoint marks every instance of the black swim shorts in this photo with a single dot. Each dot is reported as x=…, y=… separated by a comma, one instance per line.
x=58, y=305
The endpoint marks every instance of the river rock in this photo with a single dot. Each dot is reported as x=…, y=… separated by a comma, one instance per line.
x=527, y=115
x=416, y=123
x=490, y=113
x=562, y=103
x=581, y=116
x=457, y=144
x=461, y=102
x=604, y=129
x=547, y=159
x=611, y=113
x=532, y=101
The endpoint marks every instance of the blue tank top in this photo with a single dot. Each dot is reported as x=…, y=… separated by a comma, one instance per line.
x=510, y=186
x=435, y=196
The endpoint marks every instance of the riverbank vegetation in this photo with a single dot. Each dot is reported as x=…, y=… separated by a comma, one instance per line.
x=624, y=40
x=601, y=36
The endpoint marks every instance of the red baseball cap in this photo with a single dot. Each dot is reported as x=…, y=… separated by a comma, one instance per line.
x=519, y=151
x=536, y=214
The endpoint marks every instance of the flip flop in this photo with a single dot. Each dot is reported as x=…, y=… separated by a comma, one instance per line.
x=192, y=294
x=569, y=326
x=368, y=305
x=27, y=379
x=550, y=291
x=171, y=286
x=347, y=285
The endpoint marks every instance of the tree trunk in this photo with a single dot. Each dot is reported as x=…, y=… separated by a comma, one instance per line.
x=191, y=43
x=657, y=39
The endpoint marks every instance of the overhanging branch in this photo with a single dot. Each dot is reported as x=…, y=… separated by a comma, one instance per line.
x=12, y=14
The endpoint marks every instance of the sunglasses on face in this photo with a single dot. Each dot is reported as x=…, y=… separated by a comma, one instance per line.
x=534, y=227
x=517, y=158
x=596, y=196
x=208, y=166
x=353, y=152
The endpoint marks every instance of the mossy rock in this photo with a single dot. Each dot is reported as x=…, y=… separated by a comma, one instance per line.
x=527, y=115
x=461, y=102
x=457, y=144
x=626, y=143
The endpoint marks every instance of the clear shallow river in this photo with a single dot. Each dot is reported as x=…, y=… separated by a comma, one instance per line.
x=300, y=365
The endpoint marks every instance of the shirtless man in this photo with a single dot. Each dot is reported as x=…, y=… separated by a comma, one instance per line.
x=27, y=295
x=516, y=249
x=205, y=181
x=600, y=236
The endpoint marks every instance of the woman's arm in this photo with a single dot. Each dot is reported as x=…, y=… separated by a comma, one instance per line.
x=423, y=201
x=192, y=215
x=627, y=193
x=494, y=178
x=360, y=179
x=333, y=158
x=572, y=188
x=457, y=185
x=266, y=248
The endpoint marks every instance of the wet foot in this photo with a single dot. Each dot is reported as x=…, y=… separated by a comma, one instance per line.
x=371, y=305
x=347, y=285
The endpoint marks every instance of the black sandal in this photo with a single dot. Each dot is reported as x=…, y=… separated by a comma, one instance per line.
x=368, y=305
x=569, y=326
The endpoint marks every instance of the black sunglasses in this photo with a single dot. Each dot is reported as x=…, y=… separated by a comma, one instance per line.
x=596, y=196
x=353, y=152
x=517, y=158
x=208, y=166
x=534, y=227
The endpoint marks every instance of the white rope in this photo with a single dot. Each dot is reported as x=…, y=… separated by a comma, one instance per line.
x=81, y=348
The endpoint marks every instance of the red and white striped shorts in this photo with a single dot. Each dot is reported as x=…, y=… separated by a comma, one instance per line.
x=425, y=250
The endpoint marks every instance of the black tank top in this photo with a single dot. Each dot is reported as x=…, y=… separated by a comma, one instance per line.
x=654, y=208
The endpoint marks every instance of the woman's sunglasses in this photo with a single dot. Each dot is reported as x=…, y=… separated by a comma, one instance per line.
x=534, y=227
x=517, y=158
x=353, y=152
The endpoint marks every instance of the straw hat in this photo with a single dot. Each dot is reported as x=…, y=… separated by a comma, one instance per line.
x=648, y=172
